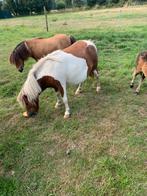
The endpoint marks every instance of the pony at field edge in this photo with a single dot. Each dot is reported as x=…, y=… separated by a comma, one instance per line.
x=141, y=68
x=38, y=48
x=71, y=65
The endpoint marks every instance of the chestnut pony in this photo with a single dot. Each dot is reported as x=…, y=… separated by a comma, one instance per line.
x=71, y=65
x=38, y=48
x=141, y=68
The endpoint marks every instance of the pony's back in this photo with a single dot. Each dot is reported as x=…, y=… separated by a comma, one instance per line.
x=62, y=66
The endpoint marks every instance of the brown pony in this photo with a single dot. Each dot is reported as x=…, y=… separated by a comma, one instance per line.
x=141, y=68
x=38, y=48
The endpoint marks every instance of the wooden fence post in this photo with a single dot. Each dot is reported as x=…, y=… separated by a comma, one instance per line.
x=46, y=20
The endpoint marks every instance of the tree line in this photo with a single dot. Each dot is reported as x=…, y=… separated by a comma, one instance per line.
x=28, y=7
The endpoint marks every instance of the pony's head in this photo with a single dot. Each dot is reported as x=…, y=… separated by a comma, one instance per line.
x=29, y=95
x=31, y=107
x=19, y=55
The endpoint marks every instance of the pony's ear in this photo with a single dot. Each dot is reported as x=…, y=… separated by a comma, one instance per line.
x=25, y=98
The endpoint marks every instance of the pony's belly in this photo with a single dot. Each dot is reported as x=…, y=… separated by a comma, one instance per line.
x=78, y=74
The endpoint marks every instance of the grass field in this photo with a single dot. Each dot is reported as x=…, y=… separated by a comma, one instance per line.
x=101, y=149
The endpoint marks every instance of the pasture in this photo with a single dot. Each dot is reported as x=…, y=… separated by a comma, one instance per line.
x=101, y=149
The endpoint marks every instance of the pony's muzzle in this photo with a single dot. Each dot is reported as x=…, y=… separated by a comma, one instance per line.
x=32, y=114
x=20, y=69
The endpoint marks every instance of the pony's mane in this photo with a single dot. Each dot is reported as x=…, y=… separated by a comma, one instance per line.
x=144, y=56
x=19, y=52
x=30, y=88
x=72, y=39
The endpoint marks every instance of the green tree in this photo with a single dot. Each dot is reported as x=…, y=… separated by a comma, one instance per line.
x=25, y=7
x=1, y=5
x=91, y=3
x=68, y=3
x=102, y=2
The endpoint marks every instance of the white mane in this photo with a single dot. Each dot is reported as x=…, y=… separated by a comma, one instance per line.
x=91, y=43
x=31, y=87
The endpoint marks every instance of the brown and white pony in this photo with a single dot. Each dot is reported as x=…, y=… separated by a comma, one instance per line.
x=38, y=48
x=141, y=68
x=71, y=65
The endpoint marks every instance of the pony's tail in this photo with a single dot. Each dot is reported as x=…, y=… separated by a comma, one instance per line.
x=72, y=39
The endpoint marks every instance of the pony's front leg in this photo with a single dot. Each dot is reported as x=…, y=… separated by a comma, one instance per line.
x=98, y=87
x=65, y=101
x=133, y=78
x=79, y=90
x=59, y=101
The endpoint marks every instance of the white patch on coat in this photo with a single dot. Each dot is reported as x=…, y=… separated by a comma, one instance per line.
x=64, y=67
x=90, y=43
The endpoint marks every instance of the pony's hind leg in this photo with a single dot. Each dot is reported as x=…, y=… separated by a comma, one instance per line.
x=98, y=87
x=79, y=89
x=59, y=101
x=140, y=83
x=65, y=101
x=143, y=76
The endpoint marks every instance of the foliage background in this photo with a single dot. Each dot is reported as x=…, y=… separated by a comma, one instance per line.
x=28, y=7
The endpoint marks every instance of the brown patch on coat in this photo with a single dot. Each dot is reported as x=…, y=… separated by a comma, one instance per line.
x=80, y=49
x=141, y=63
x=48, y=81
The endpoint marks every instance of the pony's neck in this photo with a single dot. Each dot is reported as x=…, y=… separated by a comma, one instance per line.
x=50, y=82
x=30, y=46
x=29, y=52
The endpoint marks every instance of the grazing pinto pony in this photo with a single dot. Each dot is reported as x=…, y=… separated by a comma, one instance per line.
x=38, y=48
x=141, y=68
x=71, y=65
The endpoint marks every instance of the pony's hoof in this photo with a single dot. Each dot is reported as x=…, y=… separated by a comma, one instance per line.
x=136, y=92
x=58, y=105
x=131, y=85
x=98, y=88
x=66, y=116
x=78, y=92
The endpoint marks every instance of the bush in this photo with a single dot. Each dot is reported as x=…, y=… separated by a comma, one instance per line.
x=60, y=5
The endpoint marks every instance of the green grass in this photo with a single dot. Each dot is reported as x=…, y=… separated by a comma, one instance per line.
x=100, y=150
